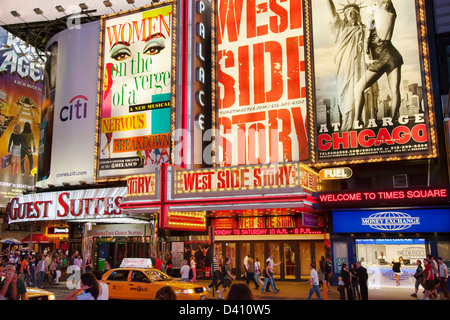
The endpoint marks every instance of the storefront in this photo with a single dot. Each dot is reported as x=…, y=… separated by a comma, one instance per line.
x=86, y=220
x=235, y=211
x=403, y=225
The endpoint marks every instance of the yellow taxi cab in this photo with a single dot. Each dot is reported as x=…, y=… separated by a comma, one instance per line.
x=135, y=279
x=38, y=294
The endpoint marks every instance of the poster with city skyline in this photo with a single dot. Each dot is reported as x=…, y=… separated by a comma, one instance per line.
x=371, y=98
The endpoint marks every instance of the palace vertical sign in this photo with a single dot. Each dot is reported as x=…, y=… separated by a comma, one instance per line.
x=262, y=84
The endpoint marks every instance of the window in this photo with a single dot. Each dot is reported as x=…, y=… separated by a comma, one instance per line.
x=119, y=275
x=138, y=276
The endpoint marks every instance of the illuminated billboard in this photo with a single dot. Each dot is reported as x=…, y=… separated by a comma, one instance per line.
x=262, y=107
x=69, y=108
x=372, y=100
x=135, y=99
x=20, y=99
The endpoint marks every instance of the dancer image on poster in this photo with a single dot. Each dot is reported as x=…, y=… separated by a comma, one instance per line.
x=382, y=57
x=106, y=106
x=27, y=150
x=348, y=33
x=14, y=149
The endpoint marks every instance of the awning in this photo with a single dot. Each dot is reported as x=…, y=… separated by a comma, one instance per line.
x=37, y=238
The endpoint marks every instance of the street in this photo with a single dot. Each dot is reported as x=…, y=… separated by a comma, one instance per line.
x=289, y=291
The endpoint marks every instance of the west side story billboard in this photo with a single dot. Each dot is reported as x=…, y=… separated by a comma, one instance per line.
x=372, y=84
x=135, y=91
x=262, y=108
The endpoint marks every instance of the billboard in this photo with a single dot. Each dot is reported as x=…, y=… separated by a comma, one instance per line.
x=135, y=95
x=69, y=108
x=20, y=99
x=372, y=100
x=262, y=108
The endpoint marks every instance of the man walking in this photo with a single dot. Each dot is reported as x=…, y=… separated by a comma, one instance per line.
x=443, y=275
x=251, y=272
x=42, y=269
x=314, y=282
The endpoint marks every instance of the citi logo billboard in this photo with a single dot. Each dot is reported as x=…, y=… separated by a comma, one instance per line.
x=76, y=109
x=390, y=221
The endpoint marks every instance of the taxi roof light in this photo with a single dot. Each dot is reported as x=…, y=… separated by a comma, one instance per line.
x=136, y=263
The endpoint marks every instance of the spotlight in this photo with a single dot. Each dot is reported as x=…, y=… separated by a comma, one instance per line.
x=59, y=8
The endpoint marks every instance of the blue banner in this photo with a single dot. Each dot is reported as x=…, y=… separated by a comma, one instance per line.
x=369, y=221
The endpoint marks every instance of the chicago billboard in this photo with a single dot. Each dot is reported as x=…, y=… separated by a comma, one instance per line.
x=372, y=99
x=262, y=109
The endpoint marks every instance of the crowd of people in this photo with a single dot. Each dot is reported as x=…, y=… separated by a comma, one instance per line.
x=26, y=268
x=432, y=276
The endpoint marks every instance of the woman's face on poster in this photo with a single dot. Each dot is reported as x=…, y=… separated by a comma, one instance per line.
x=152, y=46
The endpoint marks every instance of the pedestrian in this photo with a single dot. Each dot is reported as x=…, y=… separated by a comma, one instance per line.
x=240, y=291
x=88, y=266
x=419, y=278
x=78, y=261
x=268, y=278
x=32, y=271
x=443, y=276
x=321, y=272
x=193, y=268
x=355, y=285
x=158, y=264
x=103, y=287
x=58, y=267
x=395, y=264
x=10, y=281
x=153, y=259
x=227, y=279
x=251, y=272
x=169, y=265
x=184, y=271
x=165, y=293
x=215, y=274
x=258, y=272
x=24, y=269
x=16, y=282
x=362, y=278
x=314, y=282
x=245, y=263
x=89, y=288
x=428, y=283
x=328, y=273
x=42, y=269
x=345, y=275
x=272, y=267
x=435, y=268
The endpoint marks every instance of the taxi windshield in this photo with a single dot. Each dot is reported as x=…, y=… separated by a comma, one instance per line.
x=156, y=275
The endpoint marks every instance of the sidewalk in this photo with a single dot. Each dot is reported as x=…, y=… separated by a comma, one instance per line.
x=299, y=291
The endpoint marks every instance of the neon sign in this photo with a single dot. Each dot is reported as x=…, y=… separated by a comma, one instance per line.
x=265, y=231
x=282, y=175
x=349, y=198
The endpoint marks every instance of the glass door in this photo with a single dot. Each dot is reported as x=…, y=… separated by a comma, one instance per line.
x=289, y=264
x=305, y=259
x=274, y=250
